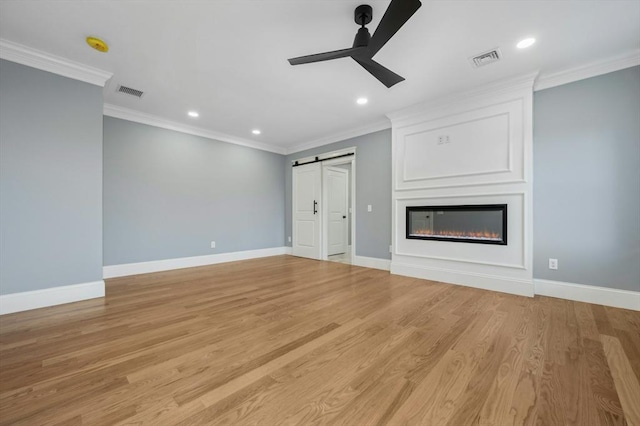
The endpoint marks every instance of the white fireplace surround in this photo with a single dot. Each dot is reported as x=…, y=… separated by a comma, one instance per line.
x=473, y=148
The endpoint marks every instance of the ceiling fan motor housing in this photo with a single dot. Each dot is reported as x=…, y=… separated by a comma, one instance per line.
x=362, y=15
x=362, y=38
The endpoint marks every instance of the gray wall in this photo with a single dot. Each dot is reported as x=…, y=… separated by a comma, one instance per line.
x=587, y=181
x=50, y=180
x=168, y=195
x=373, y=186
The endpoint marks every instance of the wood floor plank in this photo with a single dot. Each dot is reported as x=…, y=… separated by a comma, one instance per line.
x=578, y=402
x=601, y=384
x=435, y=397
x=602, y=320
x=625, y=381
x=630, y=341
x=525, y=395
x=549, y=409
x=502, y=367
x=286, y=340
x=268, y=368
x=317, y=385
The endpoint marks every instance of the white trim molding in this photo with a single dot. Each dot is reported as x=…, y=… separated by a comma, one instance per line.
x=546, y=81
x=34, y=58
x=341, y=136
x=511, y=285
x=624, y=299
x=152, y=120
x=127, y=269
x=461, y=101
x=372, y=262
x=27, y=300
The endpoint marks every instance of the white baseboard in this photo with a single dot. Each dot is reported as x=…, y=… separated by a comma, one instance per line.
x=126, y=269
x=590, y=294
x=372, y=262
x=288, y=250
x=522, y=287
x=27, y=300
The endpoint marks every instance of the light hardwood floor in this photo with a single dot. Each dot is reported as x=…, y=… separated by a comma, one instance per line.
x=284, y=340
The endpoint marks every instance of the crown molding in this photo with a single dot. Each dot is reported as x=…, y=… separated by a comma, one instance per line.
x=523, y=82
x=152, y=120
x=34, y=58
x=337, y=137
x=616, y=63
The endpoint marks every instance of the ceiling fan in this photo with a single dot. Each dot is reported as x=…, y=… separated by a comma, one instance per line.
x=365, y=46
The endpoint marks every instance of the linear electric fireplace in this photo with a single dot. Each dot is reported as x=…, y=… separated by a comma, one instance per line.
x=483, y=224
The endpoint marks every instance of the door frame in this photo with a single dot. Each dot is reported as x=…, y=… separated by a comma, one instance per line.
x=324, y=247
x=323, y=195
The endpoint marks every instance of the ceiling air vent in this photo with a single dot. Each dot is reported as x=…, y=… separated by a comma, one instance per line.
x=129, y=91
x=486, y=58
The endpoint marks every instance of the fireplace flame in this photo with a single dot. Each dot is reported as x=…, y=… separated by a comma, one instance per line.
x=476, y=235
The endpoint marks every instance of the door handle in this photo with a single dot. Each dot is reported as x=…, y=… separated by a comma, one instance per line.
x=315, y=207
x=344, y=217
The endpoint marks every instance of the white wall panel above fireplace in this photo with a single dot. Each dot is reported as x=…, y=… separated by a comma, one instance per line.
x=483, y=146
x=465, y=149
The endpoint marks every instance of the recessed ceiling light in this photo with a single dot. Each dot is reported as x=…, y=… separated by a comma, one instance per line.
x=256, y=131
x=523, y=44
x=362, y=101
x=193, y=114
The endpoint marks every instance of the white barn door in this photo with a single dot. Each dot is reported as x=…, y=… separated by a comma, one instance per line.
x=306, y=184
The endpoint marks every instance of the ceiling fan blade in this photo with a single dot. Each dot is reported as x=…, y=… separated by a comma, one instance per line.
x=326, y=56
x=396, y=15
x=385, y=75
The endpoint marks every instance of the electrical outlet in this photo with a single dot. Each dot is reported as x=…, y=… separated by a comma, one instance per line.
x=213, y=244
x=553, y=263
x=289, y=239
x=369, y=209
x=443, y=139
x=390, y=249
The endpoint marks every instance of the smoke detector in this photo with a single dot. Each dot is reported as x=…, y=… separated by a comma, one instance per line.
x=98, y=44
x=129, y=91
x=486, y=58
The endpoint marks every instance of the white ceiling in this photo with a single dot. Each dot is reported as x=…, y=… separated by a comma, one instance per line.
x=228, y=59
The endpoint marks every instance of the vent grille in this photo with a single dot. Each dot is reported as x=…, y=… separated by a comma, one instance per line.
x=486, y=58
x=129, y=91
